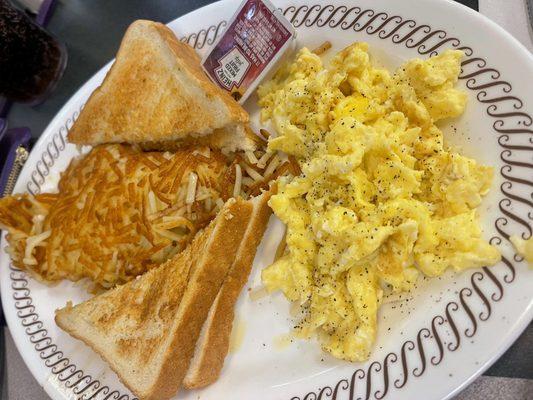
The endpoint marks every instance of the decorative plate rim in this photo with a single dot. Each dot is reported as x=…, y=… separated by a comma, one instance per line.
x=490, y=90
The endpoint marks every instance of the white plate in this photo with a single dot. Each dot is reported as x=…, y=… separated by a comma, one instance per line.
x=430, y=347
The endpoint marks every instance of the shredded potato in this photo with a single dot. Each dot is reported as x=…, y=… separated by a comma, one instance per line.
x=120, y=211
x=322, y=48
x=238, y=180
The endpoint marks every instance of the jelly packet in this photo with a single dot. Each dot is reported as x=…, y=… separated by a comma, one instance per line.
x=255, y=40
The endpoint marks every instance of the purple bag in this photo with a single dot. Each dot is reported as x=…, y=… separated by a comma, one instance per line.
x=14, y=151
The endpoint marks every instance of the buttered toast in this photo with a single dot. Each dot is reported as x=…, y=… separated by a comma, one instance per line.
x=147, y=329
x=212, y=346
x=156, y=94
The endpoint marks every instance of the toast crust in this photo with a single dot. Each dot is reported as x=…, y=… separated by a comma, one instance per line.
x=155, y=90
x=198, y=300
x=212, y=347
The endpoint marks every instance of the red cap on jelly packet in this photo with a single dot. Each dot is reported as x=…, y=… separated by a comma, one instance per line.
x=254, y=41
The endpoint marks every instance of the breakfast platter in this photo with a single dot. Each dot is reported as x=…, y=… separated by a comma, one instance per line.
x=426, y=332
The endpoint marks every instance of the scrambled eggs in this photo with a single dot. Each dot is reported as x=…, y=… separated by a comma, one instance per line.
x=380, y=198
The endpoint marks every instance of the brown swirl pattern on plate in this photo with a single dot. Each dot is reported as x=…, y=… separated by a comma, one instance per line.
x=204, y=36
x=83, y=386
x=512, y=125
x=53, y=149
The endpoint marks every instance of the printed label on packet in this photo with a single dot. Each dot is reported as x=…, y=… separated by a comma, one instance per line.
x=255, y=39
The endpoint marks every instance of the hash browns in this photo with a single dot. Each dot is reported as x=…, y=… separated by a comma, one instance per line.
x=120, y=211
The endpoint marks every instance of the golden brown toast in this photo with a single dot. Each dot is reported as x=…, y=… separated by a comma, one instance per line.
x=156, y=91
x=147, y=329
x=212, y=346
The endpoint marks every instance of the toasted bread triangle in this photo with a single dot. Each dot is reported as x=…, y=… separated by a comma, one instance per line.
x=147, y=329
x=213, y=344
x=156, y=91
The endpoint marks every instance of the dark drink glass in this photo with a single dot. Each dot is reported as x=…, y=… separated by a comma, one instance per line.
x=31, y=60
